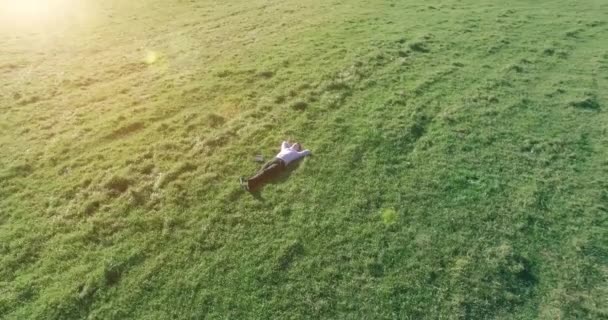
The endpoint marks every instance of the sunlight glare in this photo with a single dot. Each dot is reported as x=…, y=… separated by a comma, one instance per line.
x=33, y=11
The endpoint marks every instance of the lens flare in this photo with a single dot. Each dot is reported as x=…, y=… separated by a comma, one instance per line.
x=151, y=57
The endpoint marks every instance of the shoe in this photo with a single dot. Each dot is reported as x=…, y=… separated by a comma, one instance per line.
x=244, y=184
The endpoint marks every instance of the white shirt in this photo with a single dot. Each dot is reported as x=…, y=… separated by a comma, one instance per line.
x=288, y=154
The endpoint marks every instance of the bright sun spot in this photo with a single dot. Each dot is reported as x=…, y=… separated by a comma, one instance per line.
x=19, y=12
x=26, y=9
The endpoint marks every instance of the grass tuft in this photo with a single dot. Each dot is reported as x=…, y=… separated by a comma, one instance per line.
x=299, y=105
x=117, y=184
x=419, y=46
x=265, y=74
x=214, y=120
x=389, y=216
x=125, y=130
x=589, y=103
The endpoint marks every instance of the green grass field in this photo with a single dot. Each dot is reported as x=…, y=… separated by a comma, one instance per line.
x=459, y=168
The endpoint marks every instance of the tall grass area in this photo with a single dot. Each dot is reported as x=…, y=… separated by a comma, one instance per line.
x=459, y=167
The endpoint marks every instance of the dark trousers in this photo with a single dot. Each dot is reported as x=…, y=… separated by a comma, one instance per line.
x=269, y=171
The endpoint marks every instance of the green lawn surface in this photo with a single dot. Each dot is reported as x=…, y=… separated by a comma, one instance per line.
x=459, y=167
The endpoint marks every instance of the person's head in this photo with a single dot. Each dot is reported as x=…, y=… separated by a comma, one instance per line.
x=296, y=146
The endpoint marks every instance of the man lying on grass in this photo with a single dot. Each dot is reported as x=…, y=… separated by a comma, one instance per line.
x=289, y=153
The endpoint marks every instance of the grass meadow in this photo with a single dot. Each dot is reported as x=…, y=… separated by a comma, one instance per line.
x=459, y=167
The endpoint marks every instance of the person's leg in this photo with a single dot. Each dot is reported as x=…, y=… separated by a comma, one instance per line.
x=258, y=177
x=268, y=164
x=268, y=171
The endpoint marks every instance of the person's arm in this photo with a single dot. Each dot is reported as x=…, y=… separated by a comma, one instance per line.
x=304, y=153
x=285, y=145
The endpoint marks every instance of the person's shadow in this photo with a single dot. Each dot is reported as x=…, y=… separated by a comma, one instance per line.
x=284, y=176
